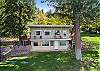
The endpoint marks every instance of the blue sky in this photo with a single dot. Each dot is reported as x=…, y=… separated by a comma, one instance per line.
x=42, y=6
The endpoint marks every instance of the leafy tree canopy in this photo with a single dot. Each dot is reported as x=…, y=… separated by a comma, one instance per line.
x=89, y=10
x=14, y=16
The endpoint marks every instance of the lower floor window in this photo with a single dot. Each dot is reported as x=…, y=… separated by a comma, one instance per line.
x=62, y=43
x=35, y=43
x=51, y=43
x=45, y=43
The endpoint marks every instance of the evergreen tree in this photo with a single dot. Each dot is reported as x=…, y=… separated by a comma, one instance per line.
x=79, y=11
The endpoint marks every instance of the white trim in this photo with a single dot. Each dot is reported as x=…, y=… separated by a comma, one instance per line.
x=51, y=26
x=49, y=39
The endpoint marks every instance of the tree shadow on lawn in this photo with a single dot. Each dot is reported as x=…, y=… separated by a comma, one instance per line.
x=56, y=61
x=48, y=61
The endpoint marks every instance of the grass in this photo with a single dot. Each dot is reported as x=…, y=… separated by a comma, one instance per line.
x=49, y=61
x=92, y=56
x=95, y=39
x=53, y=61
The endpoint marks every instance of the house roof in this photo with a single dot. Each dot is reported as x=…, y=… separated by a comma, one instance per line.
x=50, y=26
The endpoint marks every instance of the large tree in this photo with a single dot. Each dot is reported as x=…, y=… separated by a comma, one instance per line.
x=14, y=17
x=79, y=11
x=40, y=17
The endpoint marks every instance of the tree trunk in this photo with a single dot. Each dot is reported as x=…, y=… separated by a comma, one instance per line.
x=20, y=40
x=77, y=38
x=0, y=51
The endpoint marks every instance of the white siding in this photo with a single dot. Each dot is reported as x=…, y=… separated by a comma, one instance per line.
x=50, y=38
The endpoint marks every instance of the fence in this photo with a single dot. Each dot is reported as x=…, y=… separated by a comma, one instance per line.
x=20, y=50
x=12, y=48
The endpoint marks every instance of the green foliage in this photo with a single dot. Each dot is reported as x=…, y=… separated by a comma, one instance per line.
x=57, y=20
x=91, y=56
x=14, y=17
x=89, y=9
x=40, y=17
x=91, y=26
x=50, y=19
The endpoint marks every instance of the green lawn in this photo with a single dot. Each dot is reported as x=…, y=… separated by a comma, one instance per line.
x=49, y=61
x=94, y=42
x=52, y=61
x=95, y=39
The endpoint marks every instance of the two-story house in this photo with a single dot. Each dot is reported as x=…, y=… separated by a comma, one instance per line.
x=50, y=37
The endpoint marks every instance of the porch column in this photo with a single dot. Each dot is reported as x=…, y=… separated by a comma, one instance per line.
x=56, y=45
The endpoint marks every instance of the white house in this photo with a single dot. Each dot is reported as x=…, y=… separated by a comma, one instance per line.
x=50, y=37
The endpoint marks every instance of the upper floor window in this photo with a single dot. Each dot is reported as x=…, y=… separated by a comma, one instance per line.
x=47, y=33
x=64, y=33
x=57, y=32
x=37, y=32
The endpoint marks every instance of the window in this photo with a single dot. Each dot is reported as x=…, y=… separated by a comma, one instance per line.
x=64, y=33
x=62, y=43
x=24, y=43
x=45, y=43
x=47, y=33
x=37, y=32
x=34, y=37
x=35, y=43
x=40, y=37
x=51, y=43
x=57, y=32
